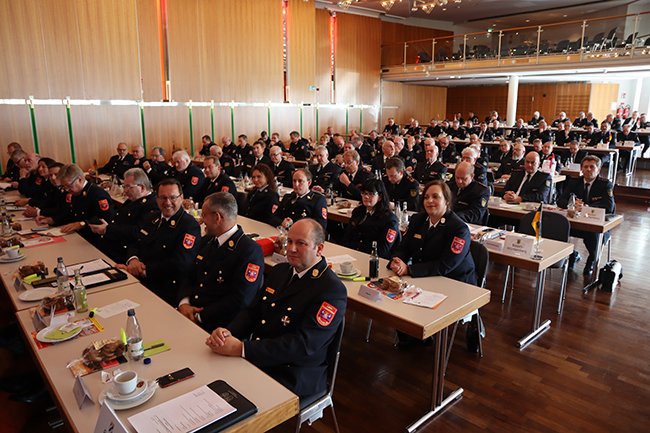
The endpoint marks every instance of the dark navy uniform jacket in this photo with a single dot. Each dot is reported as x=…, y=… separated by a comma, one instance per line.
x=567, y=156
x=425, y=172
x=449, y=154
x=224, y=278
x=117, y=166
x=545, y=136
x=299, y=149
x=260, y=205
x=519, y=133
x=250, y=161
x=311, y=205
x=378, y=163
x=231, y=150
x=508, y=165
x=471, y=203
x=536, y=190
x=223, y=183
x=167, y=248
x=283, y=172
x=608, y=138
x=191, y=179
x=601, y=193
x=289, y=326
x=352, y=191
x=443, y=250
x=59, y=202
x=92, y=202
x=13, y=171
x=228, y=165
x=407, y=157
x=326, y=176
x=159, y=171
x=30, y=186
x=406, y=190
x=45, y=190
x=366, y=152
x=391, y=129
x=364, y=228
x=122, y=230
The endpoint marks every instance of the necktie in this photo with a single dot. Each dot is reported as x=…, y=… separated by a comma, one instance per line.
x=587, y=185
x=293, y=279
x=523, y=185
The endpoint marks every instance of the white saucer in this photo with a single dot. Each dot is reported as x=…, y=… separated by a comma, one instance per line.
x=43, y=332
x=355, y=273
x=7, y=259
x=121, y=405
x=36, y=294
x=113, y=395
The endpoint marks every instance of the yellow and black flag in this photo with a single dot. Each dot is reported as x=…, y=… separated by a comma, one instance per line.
x=537, y=222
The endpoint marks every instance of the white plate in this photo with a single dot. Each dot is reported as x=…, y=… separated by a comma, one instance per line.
x=355, y=273
x=36, y=294
x=43, y=332
x=7, y=259
x=113, y=395
x=121, y=405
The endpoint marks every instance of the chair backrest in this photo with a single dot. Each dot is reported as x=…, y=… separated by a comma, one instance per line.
x=333, y=355
x=612, y=32
x=481, y=257
x=598, y=38
x=554, y=226
x=423, y=57
x=563, y=44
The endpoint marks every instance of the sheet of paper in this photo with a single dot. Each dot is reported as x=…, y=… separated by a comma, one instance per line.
x=337, y=260
x=56, y=231
x=426, y=299
x=88, y=267
x=4, y=185
x=186, y=413
x=117, y=308
x=94, y=279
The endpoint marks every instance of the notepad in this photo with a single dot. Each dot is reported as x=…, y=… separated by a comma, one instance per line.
x=426, y=299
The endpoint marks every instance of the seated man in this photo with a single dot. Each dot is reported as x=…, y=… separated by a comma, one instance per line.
x=336, y=146
x=30, y=181
x=480, y=165
x=42, y=182
x=88, y=202
x=156, y=168
x=121, y=232
x=207, y=143
x=447, y=150
x=429, y=168
x=504, y=152
x=457, y=132
x=401, y=187
x=243, y=149
x=301, y=203
x=552, y=158
x=573, y=155
x=324, y=173
x=351, y=179
x=379, y=161
x=138, y=155
x=559, y=120
x=227, y=272
x=118, y=164
x=593, y=191
x=189, y=175
x=55, y=203
x=288, y=327
x=258, y=157
x=604, y=136
x=405, y=153
x=216, y=180
x=515, y=162
x=469, y=198
x=542, y=133
x=484, y=134
x=298, y=147
x=229, y=148
x=282, y=169
x=275, y=141
x=519, y=131
x=529, y=184
x=366, y=150
x=12, y=172
x=167, y=244
x=626, y=136
x=390, y=128
x=535, y=119
x=227, y=163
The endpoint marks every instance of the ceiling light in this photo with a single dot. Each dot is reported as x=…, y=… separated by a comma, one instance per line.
x=387, y=4
x=345, y=4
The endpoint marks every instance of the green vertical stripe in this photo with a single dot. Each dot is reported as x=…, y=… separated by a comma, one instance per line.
x=347, y=116
x=72, y=151
x=268, y=118
x=191, y=130
x=34, y=133
x=144, y=138
x=212, y=119
x=301, y=120
x=317, y=136
x=361, y=120
x=232, y=122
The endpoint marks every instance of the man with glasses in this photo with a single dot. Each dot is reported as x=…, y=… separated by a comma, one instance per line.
x=282, y=169
x=118, y=164
x=470, y=198
x=156, y=168
x=515, y=162
x=12, y=172
x=189, y=175
x=119, y=233
x=55, y=203
x=88, y=202
x=352, y=177
x=324, y=172
x=228, y=270
x=301, y=203
x=216, y=180
x=138, y=155
x=29, y=183
x=430, y=168
x=528, y=185
x=167, y=244
x=401, y=187
x=18, y=158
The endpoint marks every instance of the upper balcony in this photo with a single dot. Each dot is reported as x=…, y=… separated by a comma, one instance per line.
x=602, y=42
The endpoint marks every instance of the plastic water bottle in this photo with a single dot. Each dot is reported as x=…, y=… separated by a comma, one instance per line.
x=134, y=337
x=80, y=298
x=62, y=280
x=6, y=226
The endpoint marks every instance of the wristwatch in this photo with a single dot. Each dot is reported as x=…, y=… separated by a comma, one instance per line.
x=82, y=224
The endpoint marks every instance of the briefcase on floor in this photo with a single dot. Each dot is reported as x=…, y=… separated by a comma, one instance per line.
x=609, y=276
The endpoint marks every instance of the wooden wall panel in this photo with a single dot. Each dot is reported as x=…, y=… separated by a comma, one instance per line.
x=183, y=40
x=109, y=49
x=52, y=129
x=201, y=125
x=391, y=94
x=149, y=49
x=251, y=121
x=167, y=127
x=370, y=120
x=422, y=103
x=602, y=96
x=23, y=70
x=99, y=129
x=16, y=126
x=346, y=58
x=211, y=65
x=302, y=58
x=284, y=120
x=331, y=116
x=62, y=45
x=322, y=56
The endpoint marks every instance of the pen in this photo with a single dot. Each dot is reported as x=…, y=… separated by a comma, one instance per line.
x=154, y=346
x=361, y=279
x=92, y=313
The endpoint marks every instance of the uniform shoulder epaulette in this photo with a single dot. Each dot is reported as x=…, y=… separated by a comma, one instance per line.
x=366, y=170
x=410, y=178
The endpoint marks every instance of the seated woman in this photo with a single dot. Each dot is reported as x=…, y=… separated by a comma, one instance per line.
x=261, y=201
x=373, y=221
x=437, y=241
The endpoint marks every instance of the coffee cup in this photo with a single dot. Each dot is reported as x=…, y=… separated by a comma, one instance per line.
x=346, y=267
x=495, y=200
x=12, y=252
x=530, y=206
x=125, y=382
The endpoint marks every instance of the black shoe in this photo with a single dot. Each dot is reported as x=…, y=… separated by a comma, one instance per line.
x=574, y=258
x=36, y=395
x=589, y=268
x=472, y=335
x=20, y=383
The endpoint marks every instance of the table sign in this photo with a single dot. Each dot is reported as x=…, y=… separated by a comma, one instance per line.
x=519, y=244
x=370, y=293
x=594, y=213
x=108, y=422
x=81, y=392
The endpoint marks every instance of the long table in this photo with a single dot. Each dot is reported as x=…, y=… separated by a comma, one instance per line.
x=418, y=322
x=158, y=320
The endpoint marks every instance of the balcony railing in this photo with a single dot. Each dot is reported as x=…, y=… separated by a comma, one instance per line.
x=575, y=41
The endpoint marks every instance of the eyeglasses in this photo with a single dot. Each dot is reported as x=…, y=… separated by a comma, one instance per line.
x=367, y=194
x=170, y=198
x=132, y=186
x=68, y=187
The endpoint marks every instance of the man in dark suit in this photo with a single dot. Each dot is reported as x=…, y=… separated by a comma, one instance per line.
x=29, y=182
x=351, y=179
x=448, y=153
x=207, y=143
x=614, y=123
x=580, y=120
x=573, y=154
x=229, y=148
x=282, y=169
x=299, y=146
x=226, y=162
x=605, y=136
x=400, y=186
x=258, y=157
x=324, y=172
x=626, y=136
x=519, y=130
x=515, y=162
x=156, y=168
x=366, y=151
x=379, y=161
x=216, y=180
x=243, y=148
x=593, y=191
x=633, y=121
x=504, y=152
x=456, y=131
x=429, y=168
x=138, y=156
x=529, y=184
x=470, y=198
x=485, y=134
x=559, y=120
x=228, y=269
x=301, y=203
x=542, y=132
x=391, y=128
x=433, y=130
x=535, y=119
x=118, y=164
x=643, y=138
x=336, y=146
x=189, y=175
x=287, y=329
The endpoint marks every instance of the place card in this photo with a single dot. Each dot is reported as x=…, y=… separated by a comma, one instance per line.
x=370, y=293
x=81, y=392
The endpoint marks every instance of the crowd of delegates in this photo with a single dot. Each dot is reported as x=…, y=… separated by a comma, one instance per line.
x=216, y=280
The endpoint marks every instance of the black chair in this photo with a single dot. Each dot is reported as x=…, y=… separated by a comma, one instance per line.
x=597, y=41
x=442, y=55
x=562, y=46
x=482, y=51
x=610, y=40
x=311, y=408
x=423, y=57
x=557, y=227
x=520, y=50
x=629, y=41
x=544, y=47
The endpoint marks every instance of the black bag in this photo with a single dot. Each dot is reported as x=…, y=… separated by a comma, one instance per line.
x=609, y=276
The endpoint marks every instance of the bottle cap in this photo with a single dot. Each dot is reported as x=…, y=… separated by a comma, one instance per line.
x=147, y=361
x=131, y=312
